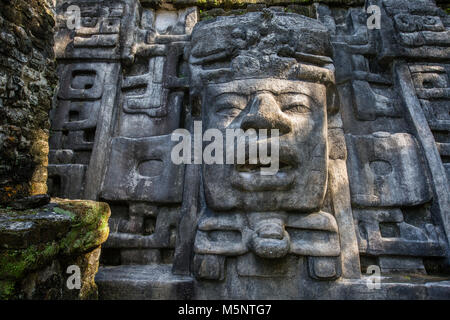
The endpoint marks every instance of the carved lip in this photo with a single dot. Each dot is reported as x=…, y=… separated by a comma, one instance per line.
x=247, y=181
x=287, y=161
x=255, y=181
x=248, y=177
x=255, y=168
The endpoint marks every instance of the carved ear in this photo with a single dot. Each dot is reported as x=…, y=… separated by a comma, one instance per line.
x=333, y=102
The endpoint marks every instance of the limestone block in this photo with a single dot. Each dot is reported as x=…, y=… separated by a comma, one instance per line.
x=65, y=180
x=82, y=81
x=142, y=170
x=386, y=170
x=385, y=232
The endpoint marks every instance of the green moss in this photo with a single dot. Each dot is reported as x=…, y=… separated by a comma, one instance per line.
x=90, y=226
x=14, y=264
x=7, y=289
x=205, y=16
x=64, y=212
x=11, y=212
x=89, y=230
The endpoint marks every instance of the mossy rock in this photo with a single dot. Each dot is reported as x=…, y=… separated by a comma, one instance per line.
x=90, y=225
x=7, y=289
x=14, y=264
x=87, y=230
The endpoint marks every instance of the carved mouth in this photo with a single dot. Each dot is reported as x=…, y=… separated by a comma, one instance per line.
x=254, y=168
x=251, y=177
x=248, y=177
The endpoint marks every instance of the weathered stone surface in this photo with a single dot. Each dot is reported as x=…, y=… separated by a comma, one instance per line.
x=149, y=175
x=27, y=83
x=147, y=282
x=376, y=170
x=31, y=202
x=374, y=97
x=38, y=245
x=39, y=241
x=363, y=158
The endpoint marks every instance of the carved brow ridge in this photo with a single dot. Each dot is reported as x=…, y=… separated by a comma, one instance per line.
x=267, y=91
x=299, y=56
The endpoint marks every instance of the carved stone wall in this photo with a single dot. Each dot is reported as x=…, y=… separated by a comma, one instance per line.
x=363, y=119
x=398, y=218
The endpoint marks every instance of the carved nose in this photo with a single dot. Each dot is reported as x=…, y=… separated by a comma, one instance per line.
x=265, y=113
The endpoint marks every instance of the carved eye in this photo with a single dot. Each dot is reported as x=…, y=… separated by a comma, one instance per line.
x=229, y=105
x=296, y=108
x=429, y=21
x=229, y=111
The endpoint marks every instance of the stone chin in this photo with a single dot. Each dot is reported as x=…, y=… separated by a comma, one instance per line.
x=228, y=189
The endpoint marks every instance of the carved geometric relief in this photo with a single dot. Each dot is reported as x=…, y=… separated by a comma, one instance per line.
x=153, y=87
x=418, y=30
x=304, y=229
x=140, y=174
x=313, y=234
x=98, y=34
x=432, y=84
x=156, y=111
x=142, y=225
x=87, y=50
x=371, y=101
x=398, y=232
x=143, y=233
x=386, y=170
x=390, y=179
x=82, y=81
x=142, y=170
x=75, y=115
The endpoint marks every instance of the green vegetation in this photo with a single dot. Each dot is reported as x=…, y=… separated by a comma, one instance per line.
x=7, y=289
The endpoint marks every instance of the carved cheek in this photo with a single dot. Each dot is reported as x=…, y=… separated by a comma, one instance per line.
x=219, y=121
x=304, y=127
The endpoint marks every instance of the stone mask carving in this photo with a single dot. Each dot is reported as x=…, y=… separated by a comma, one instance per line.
x=273, y=71
x=270, y=72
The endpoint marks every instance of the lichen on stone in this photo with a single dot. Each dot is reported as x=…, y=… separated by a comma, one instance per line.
x=88, y=229
x=15, y=263
x=90, y=226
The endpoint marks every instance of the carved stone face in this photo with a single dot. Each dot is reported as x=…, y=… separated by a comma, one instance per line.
x=265, y=70
x=298, y=110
